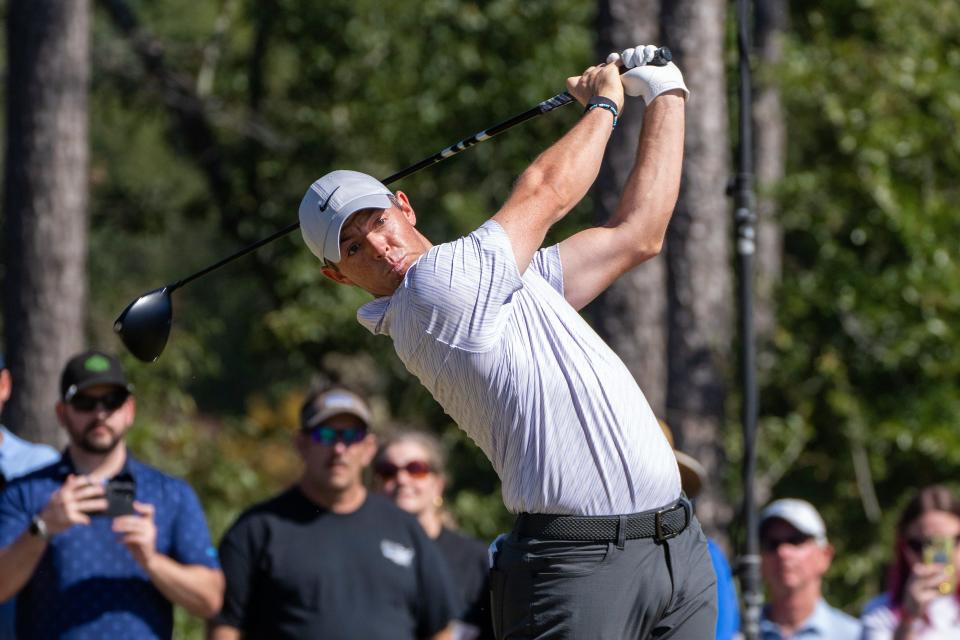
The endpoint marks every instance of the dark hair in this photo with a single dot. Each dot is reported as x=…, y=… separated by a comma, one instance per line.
x=932, y=498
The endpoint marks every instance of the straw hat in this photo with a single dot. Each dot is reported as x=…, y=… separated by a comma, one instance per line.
x=692, y=474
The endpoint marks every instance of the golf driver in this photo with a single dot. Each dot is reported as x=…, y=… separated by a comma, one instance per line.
x=144, y=325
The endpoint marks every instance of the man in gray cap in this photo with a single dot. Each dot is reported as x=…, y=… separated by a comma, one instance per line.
x=328, y=559
x=795, y=555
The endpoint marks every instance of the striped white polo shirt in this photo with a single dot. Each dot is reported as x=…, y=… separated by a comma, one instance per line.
x=556, y=411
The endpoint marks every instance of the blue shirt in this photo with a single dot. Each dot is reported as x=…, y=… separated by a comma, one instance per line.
x=728, y=611
x=87, y=585
x=824, y=622
x=19, y=457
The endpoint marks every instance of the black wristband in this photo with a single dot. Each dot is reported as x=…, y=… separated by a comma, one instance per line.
x=603, y=102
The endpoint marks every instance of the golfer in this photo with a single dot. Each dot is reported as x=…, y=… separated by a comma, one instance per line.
x=605, y=545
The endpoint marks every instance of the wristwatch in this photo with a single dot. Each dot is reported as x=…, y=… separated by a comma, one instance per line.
x=38, y=528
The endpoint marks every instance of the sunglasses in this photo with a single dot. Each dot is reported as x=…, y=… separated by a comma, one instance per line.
x=110, y=401
x=769, y=545
x=329, y=436
x=917, y=545
x=415, y=469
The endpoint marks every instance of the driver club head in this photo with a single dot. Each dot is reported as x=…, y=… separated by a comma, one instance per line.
x=144, y=325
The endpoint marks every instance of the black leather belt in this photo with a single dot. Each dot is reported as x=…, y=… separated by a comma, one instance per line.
x=660, y=524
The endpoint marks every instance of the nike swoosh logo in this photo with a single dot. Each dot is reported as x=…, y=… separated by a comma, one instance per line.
x=326, y=203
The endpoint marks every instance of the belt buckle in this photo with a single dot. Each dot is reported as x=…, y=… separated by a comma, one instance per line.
x=659, y=535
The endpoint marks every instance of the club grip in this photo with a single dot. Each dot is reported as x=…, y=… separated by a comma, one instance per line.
x=662, y=56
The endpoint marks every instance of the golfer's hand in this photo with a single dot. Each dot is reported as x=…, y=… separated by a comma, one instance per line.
x=70, y=504
x=600, y=80
x=138, y=533
x=644, y=80
x=922, y=587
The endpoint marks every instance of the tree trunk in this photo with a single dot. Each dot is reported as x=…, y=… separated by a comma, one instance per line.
x=45, y=200
x=770, y=141
x=699, y=291
x=631, y=315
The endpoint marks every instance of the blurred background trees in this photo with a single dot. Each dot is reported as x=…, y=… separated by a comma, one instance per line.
x=208, y=119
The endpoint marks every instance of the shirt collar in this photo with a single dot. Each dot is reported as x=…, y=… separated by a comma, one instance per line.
x=818, y=622
x=12, y=444
x=373, y=315
x=127, y=472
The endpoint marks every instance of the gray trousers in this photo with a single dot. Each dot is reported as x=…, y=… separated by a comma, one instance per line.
x=557, y=589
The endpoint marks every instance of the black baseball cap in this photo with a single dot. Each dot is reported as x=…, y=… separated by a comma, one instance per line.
x=89, y=369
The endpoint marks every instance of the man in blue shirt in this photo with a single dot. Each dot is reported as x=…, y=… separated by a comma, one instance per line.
x=98, y=544
x=17, y=457
x=795, y=555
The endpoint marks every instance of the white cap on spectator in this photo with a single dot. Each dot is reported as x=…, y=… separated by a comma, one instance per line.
x=800, y=514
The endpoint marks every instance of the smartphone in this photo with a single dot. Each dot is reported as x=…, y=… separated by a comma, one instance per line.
x=120, y=495
x=939, y=550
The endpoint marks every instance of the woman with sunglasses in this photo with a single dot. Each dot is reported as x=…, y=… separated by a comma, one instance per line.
x=410, y=468
x=922, y=602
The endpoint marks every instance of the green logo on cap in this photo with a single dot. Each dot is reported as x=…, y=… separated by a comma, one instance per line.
x=97, y=364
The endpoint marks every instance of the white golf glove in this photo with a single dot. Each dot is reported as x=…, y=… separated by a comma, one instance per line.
x=646, y=80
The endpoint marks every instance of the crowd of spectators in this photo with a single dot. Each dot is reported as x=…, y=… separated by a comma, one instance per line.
x=96, y=544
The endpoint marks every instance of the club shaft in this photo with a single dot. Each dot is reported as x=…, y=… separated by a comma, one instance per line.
x=547, y=105
x=662, y=57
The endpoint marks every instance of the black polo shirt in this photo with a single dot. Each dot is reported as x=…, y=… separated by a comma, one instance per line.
x=467, y=559
x=296, y=570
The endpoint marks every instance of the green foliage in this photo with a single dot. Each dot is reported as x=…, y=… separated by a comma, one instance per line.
x=867, y=350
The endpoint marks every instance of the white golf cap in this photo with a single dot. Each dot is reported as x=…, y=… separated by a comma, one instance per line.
x=798, y=513
x=330, y=403
x=330, y=201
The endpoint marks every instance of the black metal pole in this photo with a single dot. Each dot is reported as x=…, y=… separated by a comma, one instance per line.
x=745, y=220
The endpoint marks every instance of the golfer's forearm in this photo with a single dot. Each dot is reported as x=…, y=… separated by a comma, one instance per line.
x=18, y=562
x=562, y=175
x=197, y=589
x=650, y=194
x=553, y=184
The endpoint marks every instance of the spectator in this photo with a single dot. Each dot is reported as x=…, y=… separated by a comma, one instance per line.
x=17, y=457
x=692, y=478
x=326, y=559
x=795, y=554
x=410, y=468
x=79, y=573
x=921, y=602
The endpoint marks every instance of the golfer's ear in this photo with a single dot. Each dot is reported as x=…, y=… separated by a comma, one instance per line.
x=405, y=207
x=335, y=275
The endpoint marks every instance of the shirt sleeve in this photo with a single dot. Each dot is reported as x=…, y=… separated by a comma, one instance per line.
x=237, y=560
x=461, y=291
x=14, y=517
x=547, y=263
x=191, y=537
x=439, y=601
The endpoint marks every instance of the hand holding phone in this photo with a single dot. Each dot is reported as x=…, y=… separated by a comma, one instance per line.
x=939, y=550
x=120, y=494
